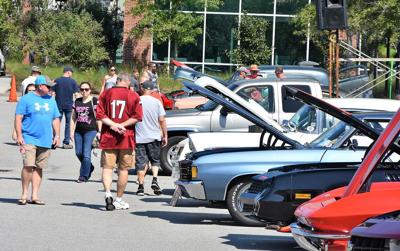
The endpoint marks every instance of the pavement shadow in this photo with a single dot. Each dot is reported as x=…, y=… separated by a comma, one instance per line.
x=10, y=143
x=260, y=242
x=190, y=218
x=80, y=204
x=184, y=202
x=74, y=180
x=8, y=200
x=10, y=178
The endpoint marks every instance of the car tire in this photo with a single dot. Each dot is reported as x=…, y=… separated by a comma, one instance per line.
x=235, y=207
x=166, y=153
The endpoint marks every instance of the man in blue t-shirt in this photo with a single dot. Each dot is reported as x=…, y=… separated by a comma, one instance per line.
x=65, y=89
x=37, y=126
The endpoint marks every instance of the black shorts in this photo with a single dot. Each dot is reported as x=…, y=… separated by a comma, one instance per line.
x=148, y=152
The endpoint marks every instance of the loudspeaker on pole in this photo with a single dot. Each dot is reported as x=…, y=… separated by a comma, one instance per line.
x=331, y=14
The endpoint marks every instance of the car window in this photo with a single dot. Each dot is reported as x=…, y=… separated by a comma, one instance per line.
x=361, y=139
x=290, y=105
x=263, y=95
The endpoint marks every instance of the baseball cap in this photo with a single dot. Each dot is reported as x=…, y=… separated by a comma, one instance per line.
x=35, y=69
x=148, y=85
x=43, y=80
x=68, y=68
x=279, y=69
x=241, y=69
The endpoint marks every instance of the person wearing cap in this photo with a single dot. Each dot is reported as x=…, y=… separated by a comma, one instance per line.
x=242, y=72
x=151, y=135
x=119, y=109
x=38, y=129
x=35, y=71
x=65, y=90
x=279, y=73
x=253, y=72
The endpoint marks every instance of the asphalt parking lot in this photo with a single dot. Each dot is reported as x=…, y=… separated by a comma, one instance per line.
x=74, y=217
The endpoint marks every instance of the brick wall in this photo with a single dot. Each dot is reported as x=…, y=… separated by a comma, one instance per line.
x=136, y=51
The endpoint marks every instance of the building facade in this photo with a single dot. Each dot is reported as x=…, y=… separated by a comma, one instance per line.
x=217, y=39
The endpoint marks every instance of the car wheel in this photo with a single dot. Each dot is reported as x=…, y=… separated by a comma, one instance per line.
x=238, y=210
x=168, y=152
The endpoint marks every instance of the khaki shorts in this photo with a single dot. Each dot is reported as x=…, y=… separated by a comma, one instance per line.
x=36, y=156
x=111, y=157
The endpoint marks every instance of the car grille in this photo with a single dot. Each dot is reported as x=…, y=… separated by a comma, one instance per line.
x=256, y=187
x=368, y=244
x=185, y=167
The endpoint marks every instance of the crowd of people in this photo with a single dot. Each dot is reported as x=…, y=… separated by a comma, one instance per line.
x=127, y=118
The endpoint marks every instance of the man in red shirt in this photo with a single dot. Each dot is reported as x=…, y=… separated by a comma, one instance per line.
x=119, y=109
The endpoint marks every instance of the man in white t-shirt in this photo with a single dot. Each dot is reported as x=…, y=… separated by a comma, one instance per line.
x=35, y=71
x=151, y=135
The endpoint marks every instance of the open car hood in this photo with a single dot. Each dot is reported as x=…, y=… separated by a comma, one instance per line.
x=241, y=107
x=334, y=111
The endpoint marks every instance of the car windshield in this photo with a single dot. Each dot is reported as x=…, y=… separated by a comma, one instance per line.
x=211, y=105
x=331, y=136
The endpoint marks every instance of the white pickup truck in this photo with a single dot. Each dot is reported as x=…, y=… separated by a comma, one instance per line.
x=269, y=93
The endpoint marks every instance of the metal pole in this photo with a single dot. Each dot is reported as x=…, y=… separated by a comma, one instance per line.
x=390, y=80
x=330, y=59
x=337, y=63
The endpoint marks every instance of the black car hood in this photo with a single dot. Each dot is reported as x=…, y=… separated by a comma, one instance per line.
x=334, y=111
x=309, y=166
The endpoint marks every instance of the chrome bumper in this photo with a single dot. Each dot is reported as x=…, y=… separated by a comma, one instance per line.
x=192, y=189
x=302, y=237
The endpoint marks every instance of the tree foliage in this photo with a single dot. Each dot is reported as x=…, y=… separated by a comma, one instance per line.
x=67, y=38
x=253, y=48
x=306, y=21
x=164, y=20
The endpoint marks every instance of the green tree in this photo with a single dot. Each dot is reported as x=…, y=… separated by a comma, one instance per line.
x=165, y=20
x=64, y=37
x=10, y=29
x=253, y=48
x=306, y=21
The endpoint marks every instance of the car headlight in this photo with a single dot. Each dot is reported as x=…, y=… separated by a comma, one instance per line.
x=194, y=172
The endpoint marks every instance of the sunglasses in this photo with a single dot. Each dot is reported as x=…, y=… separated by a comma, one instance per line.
x=112, y=69
x=85, y=89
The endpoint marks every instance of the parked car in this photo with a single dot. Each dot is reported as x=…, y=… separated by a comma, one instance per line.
x=325, y=221
x=275, y=195
x=210, y=117
x=380, y=233
x=224, y=174
x=305, y=125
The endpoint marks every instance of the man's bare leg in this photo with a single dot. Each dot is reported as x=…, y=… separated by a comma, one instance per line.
x=107, y=179
x=154, y=169
x=36, y=181
x=122, y=181
x=26, y=178
x=154, y=183
x=140, y=176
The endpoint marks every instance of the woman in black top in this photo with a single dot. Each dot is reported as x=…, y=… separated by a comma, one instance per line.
x=84, y=129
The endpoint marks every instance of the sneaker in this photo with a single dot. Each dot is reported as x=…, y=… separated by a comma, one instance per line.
x=155, y=187
x=140, y=191
x=120, y=205
x=67, y=146
x=81, y=180
x=109, y=203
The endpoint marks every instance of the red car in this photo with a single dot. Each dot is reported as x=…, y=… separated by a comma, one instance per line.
x=325, y=222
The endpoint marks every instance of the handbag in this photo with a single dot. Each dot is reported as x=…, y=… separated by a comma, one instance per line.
x=96, y=140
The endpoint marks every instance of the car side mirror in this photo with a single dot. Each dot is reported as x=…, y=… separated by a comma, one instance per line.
x=285, y=122
x=354, y=142
x=223, y=112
